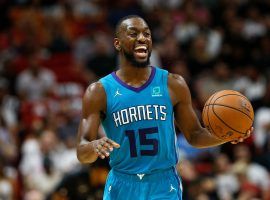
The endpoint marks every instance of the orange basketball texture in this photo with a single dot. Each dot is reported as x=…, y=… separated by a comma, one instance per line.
x=228, y=115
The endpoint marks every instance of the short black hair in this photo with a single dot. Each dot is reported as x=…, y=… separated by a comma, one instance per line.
x=117, y=27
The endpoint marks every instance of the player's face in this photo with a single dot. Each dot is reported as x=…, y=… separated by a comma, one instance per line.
x=136, y=42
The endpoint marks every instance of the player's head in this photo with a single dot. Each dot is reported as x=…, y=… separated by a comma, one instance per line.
x=133, y=40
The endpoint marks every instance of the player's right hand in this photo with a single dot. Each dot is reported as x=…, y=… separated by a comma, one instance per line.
x=104, y=146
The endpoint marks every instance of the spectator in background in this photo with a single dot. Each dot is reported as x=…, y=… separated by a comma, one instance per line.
x=35, y=82
x=253, y=173
x=7, y=71
x=247, y=190
x=83, y=49
x=262, y=125
x=189, y=176
x=38, y=164
x=252, y=84
x=103, y=61
x=226, y=182
x=209, y=83
x=66, y=121
x=180, y=67
x=59, y=39
x=5, y=21
x=7, y=185
x=194, y=20
x=155, y=59
x=187, y=28
x=9, y=106
x=170, y=4
x=8, y=124
x=262, y=59
x=199, y=59
x=169, y=51
x=8, y=144
x=34, y=195
x=84, y=183
x=253, y=24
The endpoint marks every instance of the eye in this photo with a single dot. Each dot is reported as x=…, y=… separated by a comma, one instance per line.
x=132, y=34
x=147, y=34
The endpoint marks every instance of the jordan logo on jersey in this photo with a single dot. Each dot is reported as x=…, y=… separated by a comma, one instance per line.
x=172, y=188
x=117, y=93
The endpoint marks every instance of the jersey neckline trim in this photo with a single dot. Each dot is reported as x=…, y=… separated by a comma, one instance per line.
x=135, y=89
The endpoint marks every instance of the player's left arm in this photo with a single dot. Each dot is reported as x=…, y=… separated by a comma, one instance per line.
x=186, y=117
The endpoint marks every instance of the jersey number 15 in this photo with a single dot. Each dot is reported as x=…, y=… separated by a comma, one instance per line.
x=143, y=141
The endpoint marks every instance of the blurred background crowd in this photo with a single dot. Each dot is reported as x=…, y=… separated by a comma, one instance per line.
x=51, y=50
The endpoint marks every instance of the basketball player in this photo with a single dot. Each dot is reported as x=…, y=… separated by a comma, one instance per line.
x=137, y=106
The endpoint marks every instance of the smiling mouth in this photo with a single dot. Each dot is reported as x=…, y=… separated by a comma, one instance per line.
x=141, y=51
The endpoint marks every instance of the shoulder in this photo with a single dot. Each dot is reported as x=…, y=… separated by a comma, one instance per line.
x=95, y=94
x=96, y=88
x=178, y=88
x=95, y=91
x=176, y=81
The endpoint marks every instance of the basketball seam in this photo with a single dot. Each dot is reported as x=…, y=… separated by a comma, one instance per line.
x=231, y=108
x=226, y=123
x=223, y=121
x=208, y=117
x=240, y=95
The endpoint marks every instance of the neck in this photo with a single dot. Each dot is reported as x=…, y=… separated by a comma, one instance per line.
x=131, y=71
x=129, y=62
x=134, y=76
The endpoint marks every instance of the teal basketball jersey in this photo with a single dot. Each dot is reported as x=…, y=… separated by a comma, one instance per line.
x=141, y=120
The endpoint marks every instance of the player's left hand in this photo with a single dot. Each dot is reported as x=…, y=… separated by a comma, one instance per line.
x=248, y=134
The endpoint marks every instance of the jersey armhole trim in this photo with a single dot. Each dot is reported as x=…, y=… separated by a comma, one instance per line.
x=103, y=83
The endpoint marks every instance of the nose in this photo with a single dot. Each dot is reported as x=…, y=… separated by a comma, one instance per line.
x=141, y=37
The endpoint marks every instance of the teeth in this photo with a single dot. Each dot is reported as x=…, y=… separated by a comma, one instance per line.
x=141, y=48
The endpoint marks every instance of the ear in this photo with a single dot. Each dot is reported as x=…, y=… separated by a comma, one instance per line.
x=116, y=43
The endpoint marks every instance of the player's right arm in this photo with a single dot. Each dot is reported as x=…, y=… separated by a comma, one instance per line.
x=89, y=148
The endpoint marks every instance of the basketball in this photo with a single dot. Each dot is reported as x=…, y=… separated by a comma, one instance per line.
x=228, y=115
